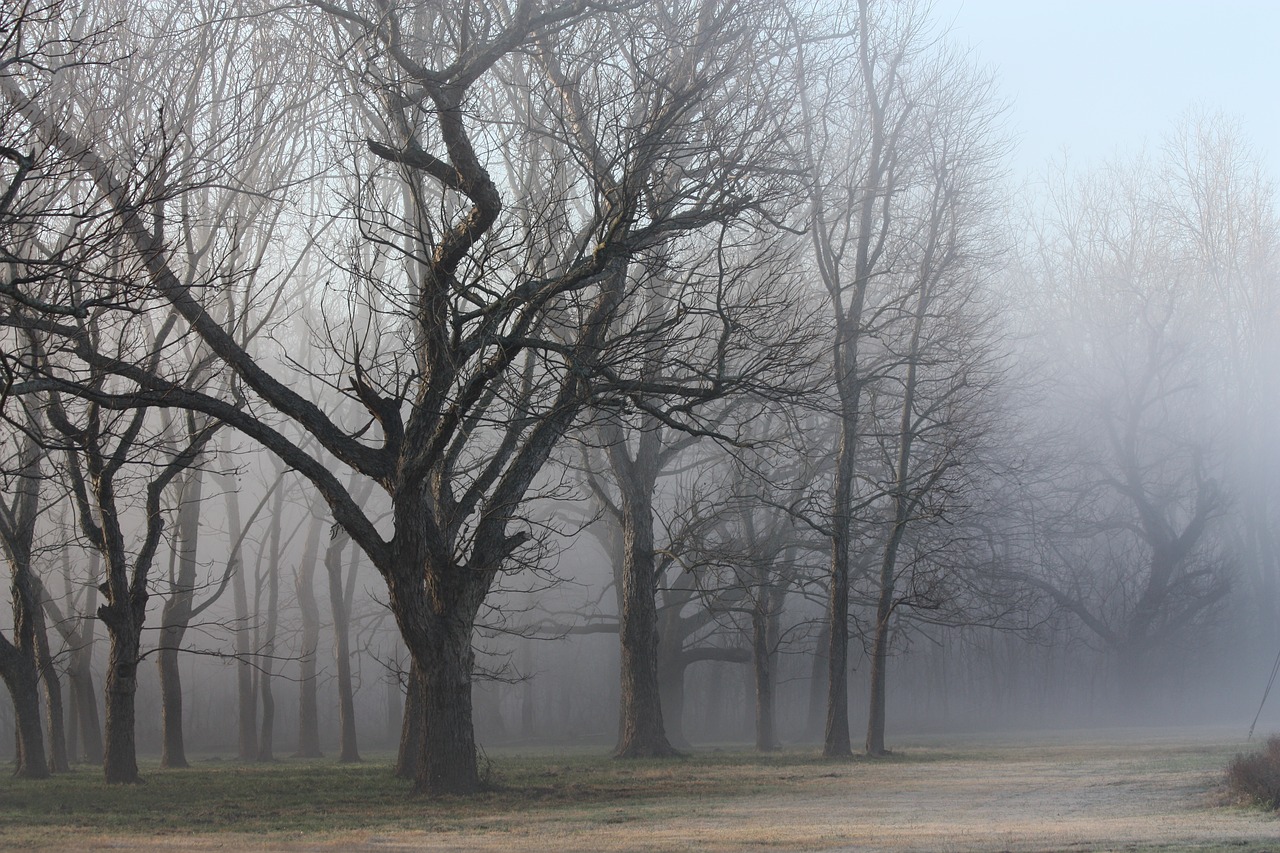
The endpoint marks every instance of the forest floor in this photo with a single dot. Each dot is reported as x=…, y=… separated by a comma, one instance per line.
x=1112, y=790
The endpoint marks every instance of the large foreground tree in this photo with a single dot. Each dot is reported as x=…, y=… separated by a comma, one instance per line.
x=509, y=176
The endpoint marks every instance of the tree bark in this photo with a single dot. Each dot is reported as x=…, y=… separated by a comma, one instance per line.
x=120, y=762
x=412, y=742
x=22, y=679
x=440, y=642
x=642, y=733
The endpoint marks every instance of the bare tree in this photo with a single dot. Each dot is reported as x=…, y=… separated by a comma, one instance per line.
x=1136, y=559
x=944, y=370
x=475, y=365
x=18, y=656
x=862, y=101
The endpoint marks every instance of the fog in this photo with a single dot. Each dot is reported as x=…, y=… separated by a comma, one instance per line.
x=644, y=379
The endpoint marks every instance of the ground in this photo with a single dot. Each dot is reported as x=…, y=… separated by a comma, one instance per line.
x=1115, y=790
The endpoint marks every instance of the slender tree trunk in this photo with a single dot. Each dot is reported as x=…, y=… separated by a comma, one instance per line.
x=879, y=666
x=818, y=686
x=673, y=664
x=173, y=752
x=671, y=669
x=266, y=737
x=903, y=504
x=836, y=743
x=175, y=616
x=85, y=719
x=348, y=750
x=73, y=714
x=762, y=658
x=394, y=716
x=58, y=756
x=246, y=701
x=526, y=692
x=305, y=586
x=85, y=695
x=19, y=659
x=884, y=613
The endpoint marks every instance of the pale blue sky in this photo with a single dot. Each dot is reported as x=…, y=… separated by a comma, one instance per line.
x=1100, y=77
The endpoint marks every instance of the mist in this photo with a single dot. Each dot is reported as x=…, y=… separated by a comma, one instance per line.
x=423, y=382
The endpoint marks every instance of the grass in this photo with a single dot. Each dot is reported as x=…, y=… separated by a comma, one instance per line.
x=322, y=797
x=1095, y=794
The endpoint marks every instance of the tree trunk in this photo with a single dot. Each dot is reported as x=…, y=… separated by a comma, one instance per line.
x=58, y=757
x=526, y=692
x=348, y=750
x=641, y=730
x=21, y=677
x=447, y=763
x=762, y=657
x=818, y=685
x=305, y=586
x=671, y=667
x=411, y=740
x=73, y=713
x=176, y=616
x=266, y=737
x=836, y=743
x=246, y=701
x=84, y=696
x=879, y=665
x=31, y=762
x=19, y=659
x=120, y=761
x=173, y=749
x=435, y=605
x=903, y=505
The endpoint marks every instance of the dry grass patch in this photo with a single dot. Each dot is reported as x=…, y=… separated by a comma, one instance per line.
x=1255, y=777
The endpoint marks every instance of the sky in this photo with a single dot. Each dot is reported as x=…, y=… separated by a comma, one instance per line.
x=1093, y=79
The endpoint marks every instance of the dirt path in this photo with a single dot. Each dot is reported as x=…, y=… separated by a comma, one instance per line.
x=1085, y=795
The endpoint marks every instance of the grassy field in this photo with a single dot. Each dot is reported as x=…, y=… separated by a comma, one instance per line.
x=1095, y=791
